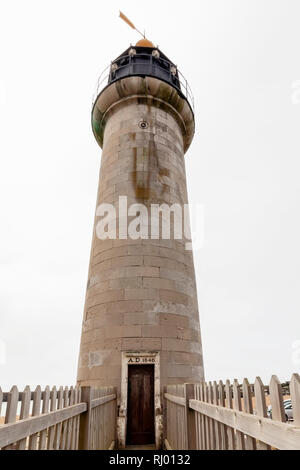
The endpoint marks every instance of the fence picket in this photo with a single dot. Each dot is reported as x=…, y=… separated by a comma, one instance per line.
x=295, y=396
x=276, y=397
x=183, y=442
x=177, y=420
x=51, y=430
x=11, y=409
x=1, y=398
x=207, y=420
x=211, y=421
x=203, y=419
x=70, y=421
x=260, y=406
x=36, y=411
x=64, y=431
x=78, y=420
x=217, y=425
x=99, y=411
x=198, y=420
x=74, y=427
x=250, y=442
x=57, y=436
x=224, y=432
x=25, y=407
x=12, y=403
x=229, y=404
x=85, y=421
x=237, y=405
x=45, y=409
x=166, y=426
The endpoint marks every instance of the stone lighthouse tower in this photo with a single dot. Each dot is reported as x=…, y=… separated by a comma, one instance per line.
x=141, y=325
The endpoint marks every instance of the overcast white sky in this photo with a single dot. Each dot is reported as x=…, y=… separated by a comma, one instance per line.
x=241, y=58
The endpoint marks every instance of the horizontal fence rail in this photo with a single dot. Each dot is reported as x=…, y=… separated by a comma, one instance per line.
x=218, y=416
x=58, y=419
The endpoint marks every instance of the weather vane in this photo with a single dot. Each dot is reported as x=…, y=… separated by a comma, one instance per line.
x=124, y=18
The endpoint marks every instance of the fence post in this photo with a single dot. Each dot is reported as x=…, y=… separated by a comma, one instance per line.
x=190, y=420
x=85, y=420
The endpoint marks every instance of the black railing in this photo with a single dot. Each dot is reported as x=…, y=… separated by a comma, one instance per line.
x=145, y=65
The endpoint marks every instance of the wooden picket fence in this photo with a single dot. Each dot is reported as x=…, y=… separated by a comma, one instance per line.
x=63, y=419
x=218, y=416
x=98, y=425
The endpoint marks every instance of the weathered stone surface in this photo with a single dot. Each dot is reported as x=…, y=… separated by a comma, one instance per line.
x=141, y=318
x=125, y=307
x=141, y=294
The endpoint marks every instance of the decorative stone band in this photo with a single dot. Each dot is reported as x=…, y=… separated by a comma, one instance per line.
x=143, y=90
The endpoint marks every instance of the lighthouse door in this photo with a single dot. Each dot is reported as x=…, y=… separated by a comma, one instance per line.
x=140, y=409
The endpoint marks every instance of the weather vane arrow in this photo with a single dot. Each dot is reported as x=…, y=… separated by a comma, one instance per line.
x=127, y=20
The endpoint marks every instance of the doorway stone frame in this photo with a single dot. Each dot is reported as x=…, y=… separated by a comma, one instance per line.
x=140, y=358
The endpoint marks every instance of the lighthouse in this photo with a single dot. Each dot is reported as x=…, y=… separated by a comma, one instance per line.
x=140, y=328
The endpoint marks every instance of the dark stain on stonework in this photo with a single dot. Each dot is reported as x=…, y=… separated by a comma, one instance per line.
x=141, y=191
x=164, y=172
x=120, y=86
x=148, y=183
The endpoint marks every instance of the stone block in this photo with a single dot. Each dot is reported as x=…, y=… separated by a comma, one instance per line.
x=100, y=246
x=168, y=307
x=126, y=283
x=108, y=319
x=94, y=311
x=103, y=265
x=119, y=243
x=140, y=318
x=177, y=371
x=105, y=297
x=131, y=344
x=141, y=294
x=158, y=283
x=112, y=253
x=166, y=320
x=173, y=296
x=151, y=344
x=125, y=306
x=144, y=271
x=126, y=261
x=181, y=358
x=96, y=288
x=92, y=336
x=162, y=332
x=171, y=344
x=133, y=331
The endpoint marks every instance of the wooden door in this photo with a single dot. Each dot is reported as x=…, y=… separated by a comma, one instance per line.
x=140, y=408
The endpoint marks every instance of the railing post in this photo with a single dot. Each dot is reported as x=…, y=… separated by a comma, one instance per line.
x=165, y=417
x=190, y=417
x=116, y=415
x=85, y=420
